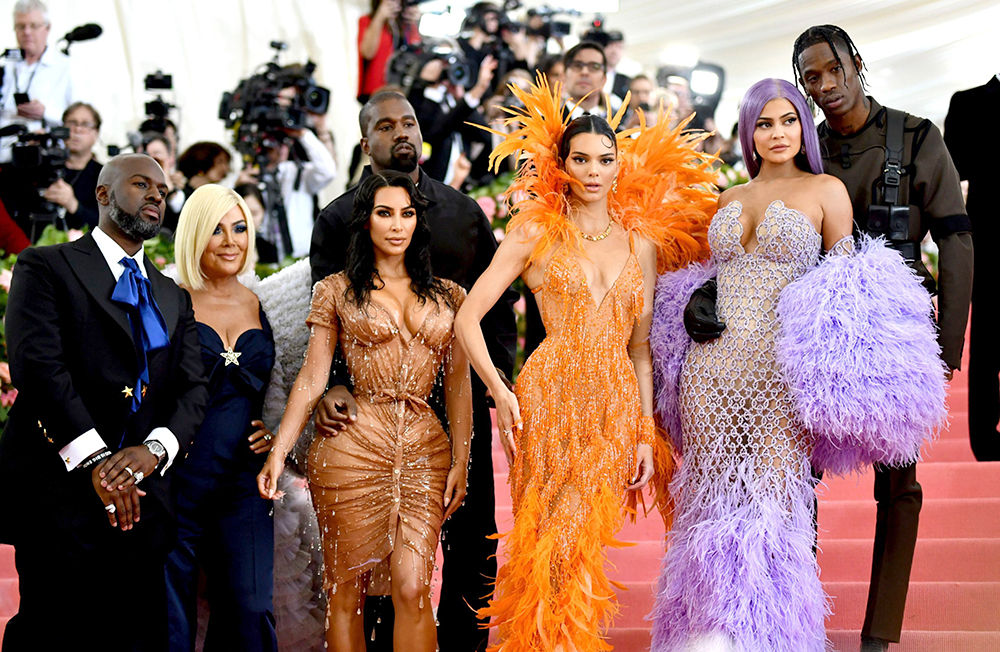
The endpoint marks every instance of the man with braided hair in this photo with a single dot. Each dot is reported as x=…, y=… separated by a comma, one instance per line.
x=900, y=197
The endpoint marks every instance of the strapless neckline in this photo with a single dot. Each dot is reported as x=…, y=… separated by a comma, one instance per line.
x=773, y=209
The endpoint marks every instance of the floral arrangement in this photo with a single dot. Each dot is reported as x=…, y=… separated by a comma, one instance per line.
x=730, y=176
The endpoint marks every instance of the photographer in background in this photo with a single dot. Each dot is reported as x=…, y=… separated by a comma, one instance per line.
x=76, y=189
x=380, y=33
x=158, y=147
x=443, y=108
x=37, y=90
x=490, y=34
x=302, y=165
x=613, y=43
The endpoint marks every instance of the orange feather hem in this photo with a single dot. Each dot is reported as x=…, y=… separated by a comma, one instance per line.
x=552, y=600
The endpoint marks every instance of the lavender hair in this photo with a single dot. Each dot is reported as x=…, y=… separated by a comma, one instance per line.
x=753, y=103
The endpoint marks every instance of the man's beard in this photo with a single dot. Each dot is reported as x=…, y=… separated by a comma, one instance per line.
x=132, y=225
x=406, y=163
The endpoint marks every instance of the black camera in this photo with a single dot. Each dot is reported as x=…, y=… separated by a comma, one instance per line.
x=158, y=109
x=40, y=160
x=259, y=114
x=406, y=63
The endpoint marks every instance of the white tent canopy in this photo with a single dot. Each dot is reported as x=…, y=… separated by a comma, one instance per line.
x=918, y=52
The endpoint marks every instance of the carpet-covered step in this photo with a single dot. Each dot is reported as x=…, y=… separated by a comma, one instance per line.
x=9, y=598
x=935, y=560
x=955, y=449
x=938, y=480
x=940, y=518
x=919, y=641
x=847, y=560
x=930, y=606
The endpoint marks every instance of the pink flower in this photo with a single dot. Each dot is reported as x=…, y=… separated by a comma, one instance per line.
x=5, y=276
x=160, y=261
x=5, y=372
x=489, y=206
x=7, y=398
x=501, y=207
x=499, y=233
x=74, y=234
x=520, y=306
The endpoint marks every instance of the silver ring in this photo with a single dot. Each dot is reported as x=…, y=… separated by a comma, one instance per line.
x=110, y=508
x=129, y=471
x=508, y=432
x=268, y=437
x=138, y=477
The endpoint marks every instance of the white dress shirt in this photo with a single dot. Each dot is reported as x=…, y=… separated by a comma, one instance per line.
x=90, y=442
x=317, y=173
x=47, y=80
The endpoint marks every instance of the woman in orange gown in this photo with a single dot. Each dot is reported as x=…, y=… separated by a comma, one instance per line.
x=578, y=429
x=383, y=487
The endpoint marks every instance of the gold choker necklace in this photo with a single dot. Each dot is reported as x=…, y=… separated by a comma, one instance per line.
x=598, y=238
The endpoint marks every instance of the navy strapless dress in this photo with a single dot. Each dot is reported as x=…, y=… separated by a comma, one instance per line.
x=224, y=526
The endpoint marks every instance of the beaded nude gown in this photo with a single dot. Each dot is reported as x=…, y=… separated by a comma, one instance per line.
x=579, y=401
x=740, y=570
x=386, y=473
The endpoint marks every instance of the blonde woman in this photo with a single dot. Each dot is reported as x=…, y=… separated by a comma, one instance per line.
x=224, y=526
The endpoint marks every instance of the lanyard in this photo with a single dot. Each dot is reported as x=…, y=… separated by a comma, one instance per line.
x=17, y=82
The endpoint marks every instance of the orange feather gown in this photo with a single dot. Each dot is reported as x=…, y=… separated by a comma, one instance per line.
x=578, y=392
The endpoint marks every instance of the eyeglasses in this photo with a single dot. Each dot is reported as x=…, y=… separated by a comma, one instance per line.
x=592, y=66
x=83, y=126
x=24, y=27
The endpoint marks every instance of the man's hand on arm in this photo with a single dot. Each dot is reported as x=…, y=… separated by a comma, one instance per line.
x=336, y=411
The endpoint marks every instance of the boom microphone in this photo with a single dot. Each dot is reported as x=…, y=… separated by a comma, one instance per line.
x=84, y=33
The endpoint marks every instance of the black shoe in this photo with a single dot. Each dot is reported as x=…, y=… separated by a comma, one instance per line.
x=872, y=644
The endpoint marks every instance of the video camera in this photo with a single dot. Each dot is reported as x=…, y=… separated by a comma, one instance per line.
x=40, y=159
x=406, y=63
x=259, y=116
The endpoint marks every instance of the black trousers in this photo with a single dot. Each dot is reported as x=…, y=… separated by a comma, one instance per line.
x=984, y=363
x=470, y=564
x=110, y=600
x=899, y=499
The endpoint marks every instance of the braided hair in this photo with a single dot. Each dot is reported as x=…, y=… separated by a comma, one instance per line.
x=829, y=34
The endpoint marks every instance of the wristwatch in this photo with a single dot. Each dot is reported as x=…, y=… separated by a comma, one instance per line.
x=157, y=449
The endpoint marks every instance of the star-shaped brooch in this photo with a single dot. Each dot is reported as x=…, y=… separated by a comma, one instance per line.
x=127, y=391
x=231, y=356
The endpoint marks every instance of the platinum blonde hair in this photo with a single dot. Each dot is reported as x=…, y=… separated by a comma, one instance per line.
x=202, y=212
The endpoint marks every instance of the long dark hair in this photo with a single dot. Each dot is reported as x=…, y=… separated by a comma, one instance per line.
x=362, y=277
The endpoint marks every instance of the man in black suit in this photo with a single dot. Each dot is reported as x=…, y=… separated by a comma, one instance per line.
x=105, y=355
x=972, y=134
x=462, y=246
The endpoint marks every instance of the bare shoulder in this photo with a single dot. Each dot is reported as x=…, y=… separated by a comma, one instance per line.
x=729, y=195
x=645, y=252
x=525, y=234
x=828, y=186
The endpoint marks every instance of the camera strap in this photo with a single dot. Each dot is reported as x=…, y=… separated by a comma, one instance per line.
x=892, y=172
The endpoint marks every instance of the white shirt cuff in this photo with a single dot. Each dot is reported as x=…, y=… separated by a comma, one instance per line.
x=165, y=437
x=473, y=102
x=81, y=448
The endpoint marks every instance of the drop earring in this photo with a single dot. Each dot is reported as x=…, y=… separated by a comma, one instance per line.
x=614, y=185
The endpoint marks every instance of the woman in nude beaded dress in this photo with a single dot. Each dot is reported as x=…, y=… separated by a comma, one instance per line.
x=383, y=487
x=598, y=212
x=740, y=572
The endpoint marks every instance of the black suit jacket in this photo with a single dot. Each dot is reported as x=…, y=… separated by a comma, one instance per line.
x=622, y=85
x=972, y=134
x=437, y=126
x=71, y=356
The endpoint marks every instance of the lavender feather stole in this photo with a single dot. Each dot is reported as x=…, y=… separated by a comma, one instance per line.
x=669, y=342
x=859, y=352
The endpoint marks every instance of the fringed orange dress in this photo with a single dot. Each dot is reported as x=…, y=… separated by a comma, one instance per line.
x=578, y=392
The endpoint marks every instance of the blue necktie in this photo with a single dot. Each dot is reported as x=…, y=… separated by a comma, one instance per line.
x=148, y=328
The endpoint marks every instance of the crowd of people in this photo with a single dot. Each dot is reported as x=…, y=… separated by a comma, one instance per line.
x=675, y=342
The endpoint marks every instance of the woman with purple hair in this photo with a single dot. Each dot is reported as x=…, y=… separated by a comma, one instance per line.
x=740, y=572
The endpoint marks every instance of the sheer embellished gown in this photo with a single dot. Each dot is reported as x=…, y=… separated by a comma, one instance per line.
x=741, y=571
x=384, y=476
x=579, y=401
